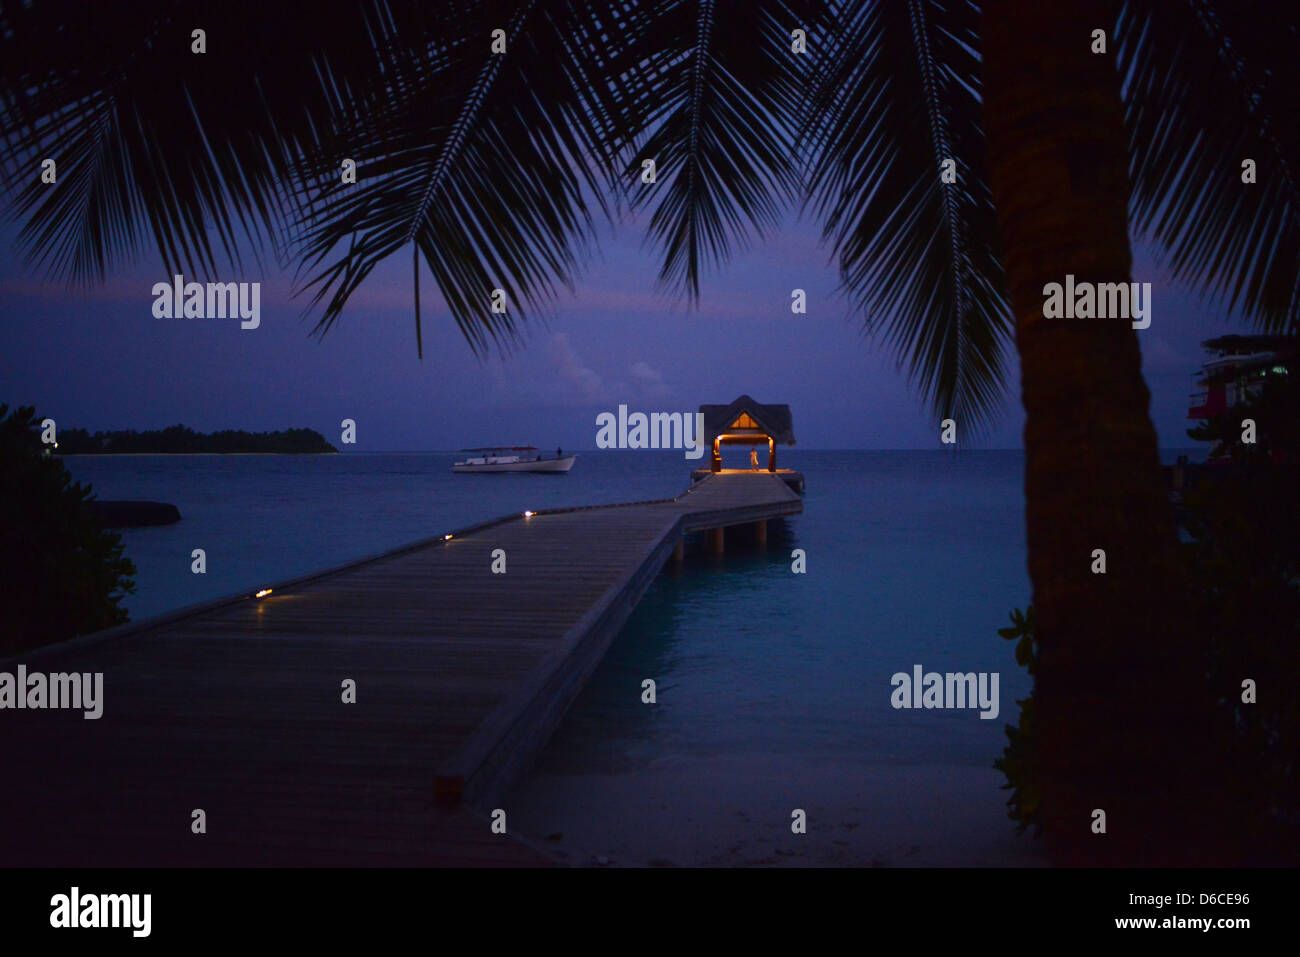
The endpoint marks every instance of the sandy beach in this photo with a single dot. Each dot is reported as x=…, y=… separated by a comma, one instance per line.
x=736, y=812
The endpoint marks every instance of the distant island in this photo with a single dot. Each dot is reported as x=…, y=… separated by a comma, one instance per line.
x=180, y=440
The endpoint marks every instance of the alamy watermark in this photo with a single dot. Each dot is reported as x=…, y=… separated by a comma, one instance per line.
x=36, y=690
x=75, y=909
x=930, y=689
x=658, y=430
x=214, y=300
x=1100, y=300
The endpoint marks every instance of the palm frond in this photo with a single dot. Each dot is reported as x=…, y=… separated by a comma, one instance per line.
x=897, y=96
x=155, y=142
x=486, y=162
x=1208, y=86
x=728, y=91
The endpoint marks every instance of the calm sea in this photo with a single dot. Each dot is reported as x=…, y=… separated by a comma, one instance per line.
x=912, y=558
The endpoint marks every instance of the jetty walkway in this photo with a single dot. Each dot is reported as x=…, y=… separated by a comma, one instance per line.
x=236, y=708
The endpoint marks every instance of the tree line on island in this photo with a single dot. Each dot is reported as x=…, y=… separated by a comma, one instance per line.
x=179, y=439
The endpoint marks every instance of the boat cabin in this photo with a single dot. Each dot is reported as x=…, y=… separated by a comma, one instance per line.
x=500, y=455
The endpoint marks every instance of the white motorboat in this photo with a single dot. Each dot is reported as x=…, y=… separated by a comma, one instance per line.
x=516, y=458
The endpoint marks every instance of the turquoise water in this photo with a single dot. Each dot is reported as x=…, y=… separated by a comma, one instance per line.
x=764, y=677
x=267, y=518
x=912, y=558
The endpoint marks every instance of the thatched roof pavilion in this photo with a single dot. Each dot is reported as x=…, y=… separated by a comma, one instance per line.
x=746, y=422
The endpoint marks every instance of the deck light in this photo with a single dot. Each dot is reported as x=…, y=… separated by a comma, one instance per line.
x=529, y=514
x=263, y=593
x=447, y=537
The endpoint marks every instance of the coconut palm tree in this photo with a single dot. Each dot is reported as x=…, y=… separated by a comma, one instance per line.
x=489, y=138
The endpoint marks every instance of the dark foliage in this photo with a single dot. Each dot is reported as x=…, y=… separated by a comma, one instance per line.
x=1244, y=526
x=179, y=439
x=1243, y=553
x=61, y=575
x=1019, y=761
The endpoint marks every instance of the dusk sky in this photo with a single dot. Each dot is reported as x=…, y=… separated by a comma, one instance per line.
x=99, y=359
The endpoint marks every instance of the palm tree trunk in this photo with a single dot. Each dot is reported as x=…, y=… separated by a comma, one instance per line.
x=1124, y=714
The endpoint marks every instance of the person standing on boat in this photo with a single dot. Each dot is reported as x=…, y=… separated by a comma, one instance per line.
x=753, y=459
x=559, y=453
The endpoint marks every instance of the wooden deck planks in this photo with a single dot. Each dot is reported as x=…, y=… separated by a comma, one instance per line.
x=235, y=707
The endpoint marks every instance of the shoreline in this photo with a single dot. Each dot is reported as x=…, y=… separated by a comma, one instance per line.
x=736, y=811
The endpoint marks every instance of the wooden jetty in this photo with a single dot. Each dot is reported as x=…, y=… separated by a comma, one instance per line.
x=235, y=708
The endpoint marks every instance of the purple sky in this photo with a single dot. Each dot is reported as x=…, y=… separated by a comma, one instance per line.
x=99, y=358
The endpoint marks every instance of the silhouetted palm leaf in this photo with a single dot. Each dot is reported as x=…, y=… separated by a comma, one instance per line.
x=484, y=161
x=899, y=94
x=728, y=92
x=490, y=166
x=1209, y=85
x=153, y=141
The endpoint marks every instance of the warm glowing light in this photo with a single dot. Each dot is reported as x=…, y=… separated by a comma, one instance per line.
x=263, y=593
x=447, y=537
x=529, y=514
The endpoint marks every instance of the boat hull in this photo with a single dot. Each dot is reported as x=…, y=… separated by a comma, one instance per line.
x=545, y=465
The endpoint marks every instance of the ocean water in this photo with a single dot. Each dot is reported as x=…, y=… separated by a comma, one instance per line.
x=267, y=518
x=912, y=558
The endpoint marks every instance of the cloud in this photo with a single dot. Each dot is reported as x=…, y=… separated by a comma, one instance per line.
x=716, y=304
x=557, y=374
x=650, y=384
x=583, y=383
